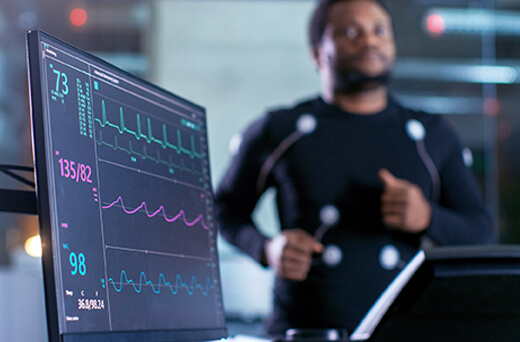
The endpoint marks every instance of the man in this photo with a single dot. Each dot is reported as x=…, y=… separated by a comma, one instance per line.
x=360, y=180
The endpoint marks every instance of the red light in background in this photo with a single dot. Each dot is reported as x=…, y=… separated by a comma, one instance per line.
x=435, y=24
x=491, y=106
x=78, y=16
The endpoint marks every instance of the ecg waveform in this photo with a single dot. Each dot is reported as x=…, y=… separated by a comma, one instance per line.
x=144, y=155
x=162, y=283
x=148, y=136
x=160, y=211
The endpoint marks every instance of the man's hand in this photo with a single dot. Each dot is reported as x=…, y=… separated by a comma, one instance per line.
x=290, y=253
x=403, y=204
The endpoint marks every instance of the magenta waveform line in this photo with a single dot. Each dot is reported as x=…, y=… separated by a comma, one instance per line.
x=161, y=209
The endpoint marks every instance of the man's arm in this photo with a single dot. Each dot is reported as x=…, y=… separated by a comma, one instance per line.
x=460, y=216
x=290, y=252
x=236, y=196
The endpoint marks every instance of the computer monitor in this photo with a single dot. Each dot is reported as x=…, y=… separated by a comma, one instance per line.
x=125, y=203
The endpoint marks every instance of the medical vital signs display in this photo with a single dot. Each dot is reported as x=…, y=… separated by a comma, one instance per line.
x=125, y=203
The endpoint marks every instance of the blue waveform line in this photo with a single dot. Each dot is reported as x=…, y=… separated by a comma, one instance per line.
x=162, y=283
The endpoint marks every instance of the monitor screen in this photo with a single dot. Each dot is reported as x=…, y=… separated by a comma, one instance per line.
x=125, y=203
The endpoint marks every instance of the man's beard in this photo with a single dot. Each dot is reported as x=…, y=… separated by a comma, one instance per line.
x=352, y=82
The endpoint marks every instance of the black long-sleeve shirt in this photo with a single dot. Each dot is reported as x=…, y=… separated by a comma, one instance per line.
x=337, y=164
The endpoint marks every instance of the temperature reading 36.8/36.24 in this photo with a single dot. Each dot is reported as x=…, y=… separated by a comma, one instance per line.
x=75, y=171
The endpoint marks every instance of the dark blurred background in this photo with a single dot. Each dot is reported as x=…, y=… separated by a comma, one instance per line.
x=457, y=58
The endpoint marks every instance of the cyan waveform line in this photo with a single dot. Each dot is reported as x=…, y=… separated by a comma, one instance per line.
x=148, y=137
x=161, y=211
x=145, y=155
x=162, y=283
